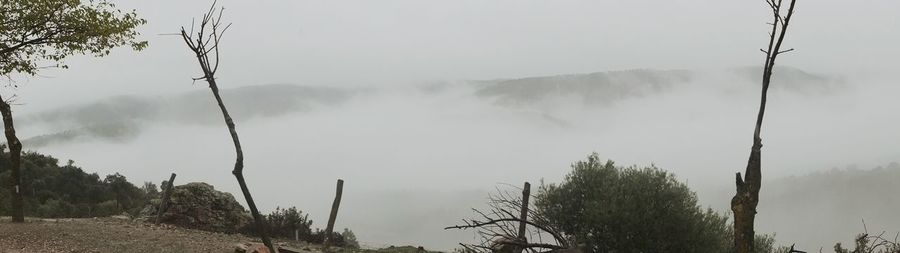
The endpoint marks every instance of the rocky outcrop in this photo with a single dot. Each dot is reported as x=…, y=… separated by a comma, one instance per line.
x=200, y=206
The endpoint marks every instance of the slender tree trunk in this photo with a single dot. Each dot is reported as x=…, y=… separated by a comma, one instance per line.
x=334, y=211
x=745, y=201
x=15, y=162
x=164, y=202
x=746, y=198
x=523, y=215
x=204, y=48
x=239, y=164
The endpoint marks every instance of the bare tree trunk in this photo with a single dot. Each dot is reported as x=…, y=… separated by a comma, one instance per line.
x=523, y=216
x=746, y=198
x=239, y=168
x=204, y=48
x=334, y=211
x=15, y=162
x=164, y=202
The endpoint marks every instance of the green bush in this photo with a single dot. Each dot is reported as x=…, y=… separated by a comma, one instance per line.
x=55, y=209
x=54, y=191
x=350, y=239
x=633, y=209
x=106, y=208
x=283, y=222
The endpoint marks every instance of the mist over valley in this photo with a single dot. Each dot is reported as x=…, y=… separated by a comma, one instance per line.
x=416, y=157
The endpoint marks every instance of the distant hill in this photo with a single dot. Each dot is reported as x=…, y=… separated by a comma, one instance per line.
x=121, y=118
x=793, y=80
x=601, y=88
x=818, y=199
x=610, y=87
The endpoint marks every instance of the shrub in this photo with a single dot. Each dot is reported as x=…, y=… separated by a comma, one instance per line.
x=349, y=239
x=318, y=237
x=54, y=191
x=633, y=209
x=866, y=243
x=55, y=209
x=283, y=222
x=106, y=208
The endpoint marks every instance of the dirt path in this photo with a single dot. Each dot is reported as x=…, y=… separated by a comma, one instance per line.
x=109, y=235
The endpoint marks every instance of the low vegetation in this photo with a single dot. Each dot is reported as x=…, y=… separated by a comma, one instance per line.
x=609, y=208
x=601, y=207
x=866, y=243
x=283, y=222
x=54, y=191
x=632, y=209
x=67, y=191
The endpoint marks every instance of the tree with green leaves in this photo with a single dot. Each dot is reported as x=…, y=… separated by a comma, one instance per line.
x=42, y=33
x=609, y=208
x=53, y=189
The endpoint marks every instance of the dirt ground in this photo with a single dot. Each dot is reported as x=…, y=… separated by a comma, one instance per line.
x=122, y=235
x=109, y=235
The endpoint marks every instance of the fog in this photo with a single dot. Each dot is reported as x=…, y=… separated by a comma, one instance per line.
x=416, y=106
x=416, y=158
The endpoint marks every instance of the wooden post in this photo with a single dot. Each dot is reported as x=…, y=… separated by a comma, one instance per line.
x=163, y=204
x=526, y=193
x=334, y=211
x=297, y=235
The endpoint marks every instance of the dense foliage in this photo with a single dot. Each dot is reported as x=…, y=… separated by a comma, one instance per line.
x=284, y=221
x=54, y=191
x=33, y=32
x=633, y=209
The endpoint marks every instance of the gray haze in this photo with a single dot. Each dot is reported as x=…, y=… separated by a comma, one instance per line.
x=423, y=106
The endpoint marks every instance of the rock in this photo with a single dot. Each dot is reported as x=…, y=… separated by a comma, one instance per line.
x=200, y=206
x=122, y=216
x=250, y=248
x=240, y=248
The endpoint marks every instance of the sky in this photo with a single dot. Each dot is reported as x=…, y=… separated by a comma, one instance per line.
x=399, y=146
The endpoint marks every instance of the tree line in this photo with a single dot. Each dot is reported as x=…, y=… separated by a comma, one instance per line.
x=67, y=191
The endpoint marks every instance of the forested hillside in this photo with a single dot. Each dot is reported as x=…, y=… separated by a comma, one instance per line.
x=593, y=88
x=122, y=118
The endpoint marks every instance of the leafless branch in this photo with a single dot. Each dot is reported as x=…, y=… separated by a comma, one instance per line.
x=205, y=39
x=202, y=42
x=785, y=51
x=497, y=226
